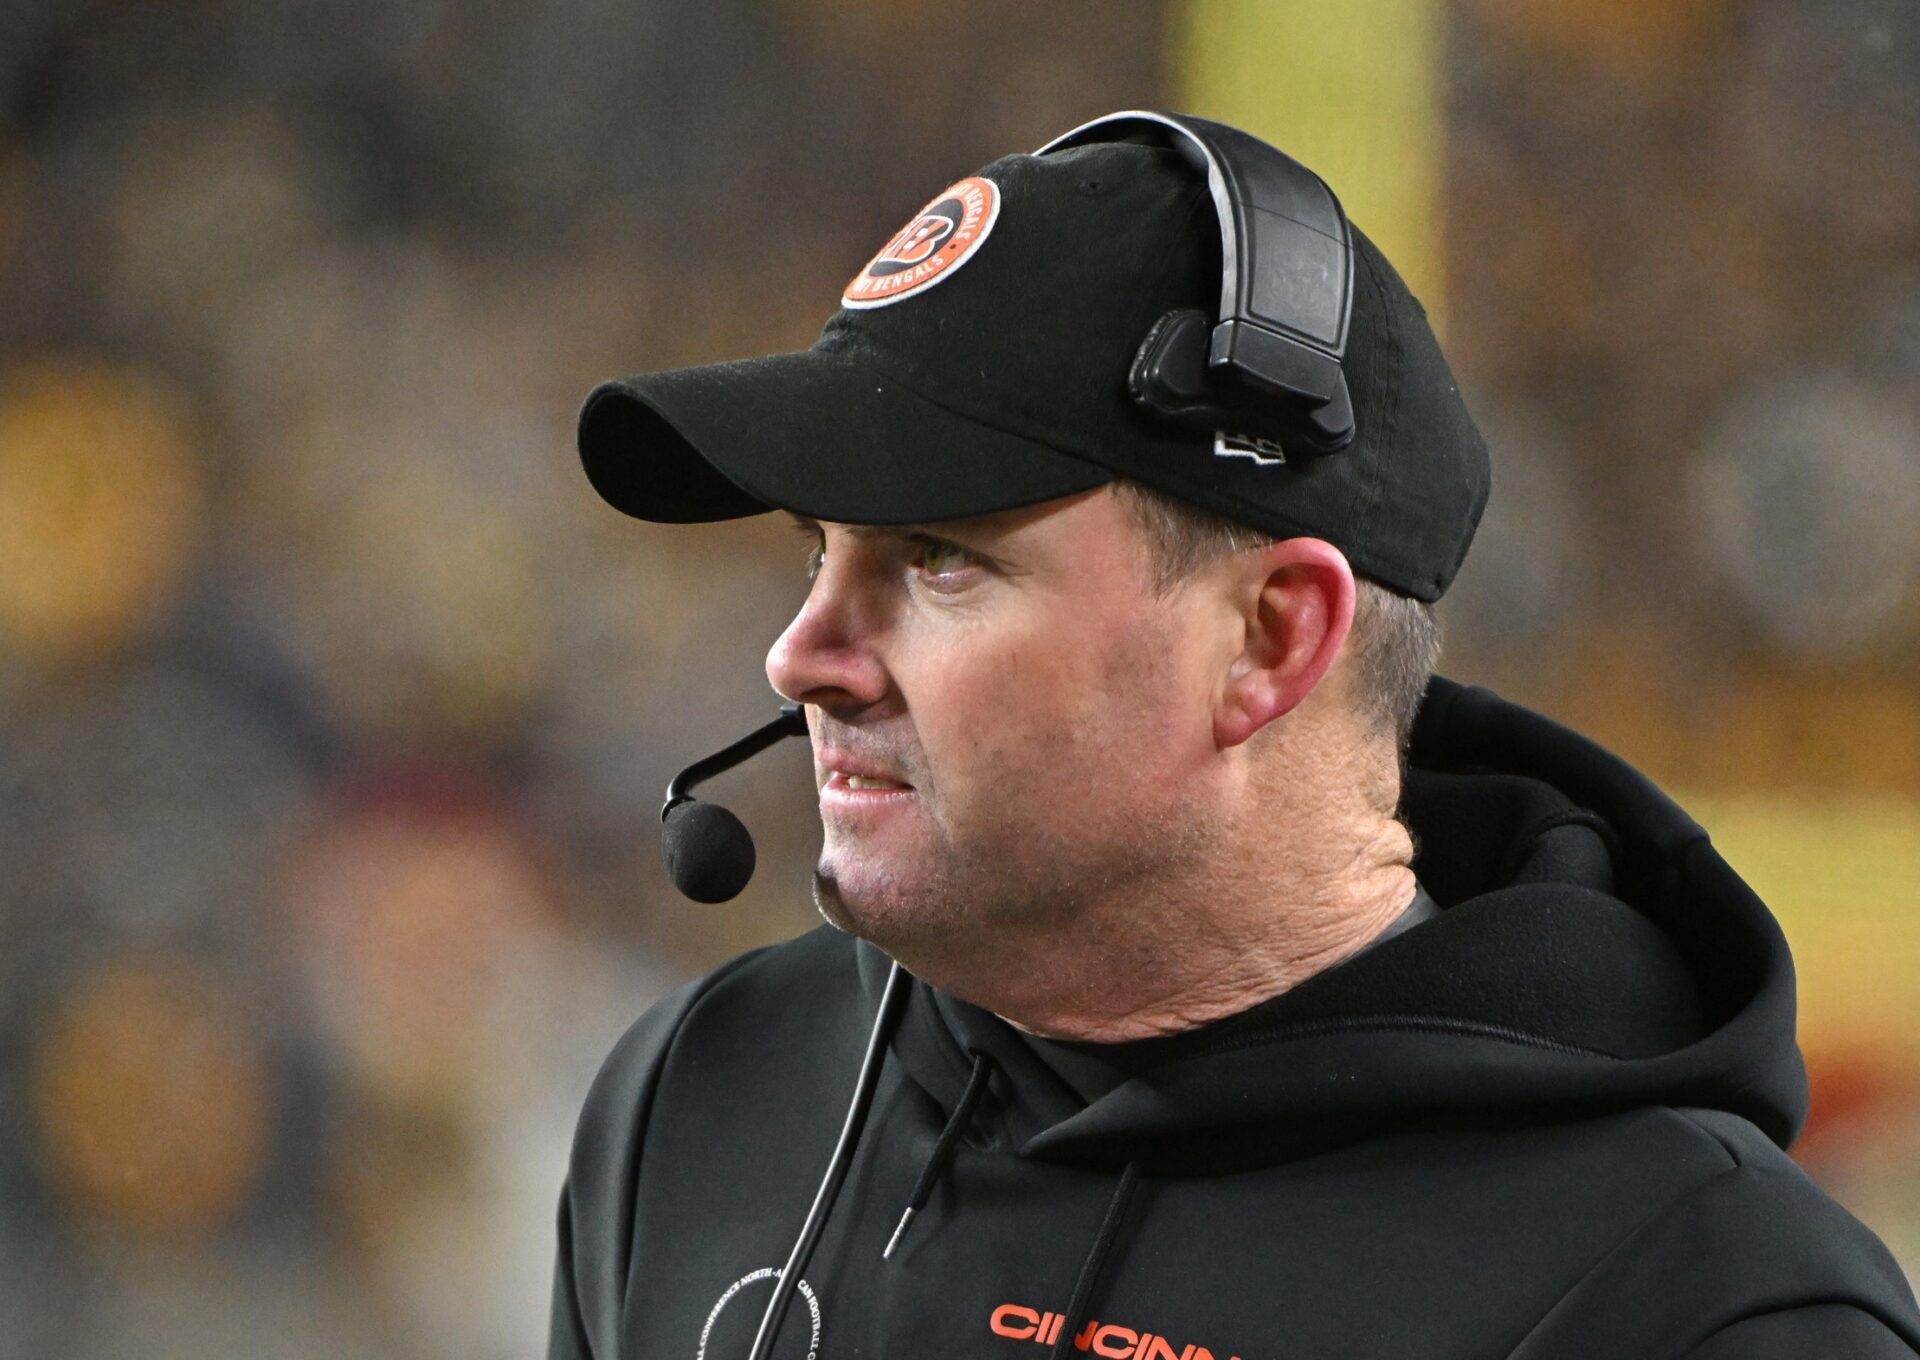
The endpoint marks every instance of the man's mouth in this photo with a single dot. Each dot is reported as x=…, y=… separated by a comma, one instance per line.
x=864, y=783
x=852, y=773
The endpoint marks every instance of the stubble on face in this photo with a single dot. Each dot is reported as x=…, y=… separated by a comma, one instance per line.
x=1061, y=822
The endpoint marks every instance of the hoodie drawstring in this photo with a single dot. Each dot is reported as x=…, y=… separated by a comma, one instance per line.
x=1096, y=1259
x=983, y=1067
x=943, y=1146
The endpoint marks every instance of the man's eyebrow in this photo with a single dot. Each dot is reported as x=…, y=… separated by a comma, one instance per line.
x=807, y=524
x=892, y=531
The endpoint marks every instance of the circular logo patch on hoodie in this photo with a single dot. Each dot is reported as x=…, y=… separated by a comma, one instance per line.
x=735, y=1336
x=940, y=238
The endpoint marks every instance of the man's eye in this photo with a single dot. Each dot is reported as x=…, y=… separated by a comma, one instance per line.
x=816, y=548
x=940, y=558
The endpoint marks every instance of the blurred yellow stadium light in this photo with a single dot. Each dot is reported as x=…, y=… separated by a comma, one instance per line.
x=1622, y=35
x=1350, y=88
x=1842, y=873
x=151, y=1096
x=100, y=500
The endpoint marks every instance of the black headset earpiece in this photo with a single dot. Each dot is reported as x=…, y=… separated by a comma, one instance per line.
x=1265, y=370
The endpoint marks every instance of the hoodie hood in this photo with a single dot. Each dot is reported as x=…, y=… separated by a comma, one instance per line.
x=1594, y=953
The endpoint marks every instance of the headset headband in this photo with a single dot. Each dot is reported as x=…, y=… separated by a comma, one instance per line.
x=1286, y=290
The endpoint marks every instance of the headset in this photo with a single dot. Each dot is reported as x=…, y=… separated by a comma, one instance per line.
x=1266, y=370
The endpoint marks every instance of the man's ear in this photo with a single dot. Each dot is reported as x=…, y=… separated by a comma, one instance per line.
x=1296, y=602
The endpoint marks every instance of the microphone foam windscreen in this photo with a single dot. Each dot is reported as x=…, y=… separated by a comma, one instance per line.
x=708, y=853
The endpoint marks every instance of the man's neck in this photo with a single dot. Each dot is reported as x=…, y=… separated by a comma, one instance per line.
x=1193, y=992
x=1193, y=952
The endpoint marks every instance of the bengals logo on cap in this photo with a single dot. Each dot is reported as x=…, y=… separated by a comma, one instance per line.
x=935, y=243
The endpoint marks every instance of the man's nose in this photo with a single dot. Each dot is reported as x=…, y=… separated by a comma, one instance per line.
x=825, y=656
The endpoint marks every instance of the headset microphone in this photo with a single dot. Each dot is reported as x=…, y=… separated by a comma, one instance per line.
x=708, y=853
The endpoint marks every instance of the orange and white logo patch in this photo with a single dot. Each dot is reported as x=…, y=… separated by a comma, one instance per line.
x=941, y=238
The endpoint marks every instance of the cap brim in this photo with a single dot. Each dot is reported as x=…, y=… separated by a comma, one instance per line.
x=813, y=432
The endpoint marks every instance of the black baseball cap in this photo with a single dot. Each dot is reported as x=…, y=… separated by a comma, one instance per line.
x=979, y=362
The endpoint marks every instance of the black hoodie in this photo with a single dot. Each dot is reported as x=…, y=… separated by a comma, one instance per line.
x=1548, y=1122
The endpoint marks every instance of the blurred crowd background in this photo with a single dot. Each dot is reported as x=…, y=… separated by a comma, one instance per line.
x=335, y=708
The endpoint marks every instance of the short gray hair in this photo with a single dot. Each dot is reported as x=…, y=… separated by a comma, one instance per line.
x=1395, y=639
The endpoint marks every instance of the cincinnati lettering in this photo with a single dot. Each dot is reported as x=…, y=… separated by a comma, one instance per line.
x=1107, y=1339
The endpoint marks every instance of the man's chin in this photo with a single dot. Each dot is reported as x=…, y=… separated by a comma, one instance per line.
x=841, y=903
x=832, y=906
x=871, y=906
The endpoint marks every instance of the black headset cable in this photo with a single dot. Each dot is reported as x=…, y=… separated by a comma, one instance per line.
x=892, y=1001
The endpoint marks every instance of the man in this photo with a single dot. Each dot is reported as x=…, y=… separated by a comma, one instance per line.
x=1236, y=988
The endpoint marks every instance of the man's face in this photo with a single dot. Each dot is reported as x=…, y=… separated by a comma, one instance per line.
x=1009, y=727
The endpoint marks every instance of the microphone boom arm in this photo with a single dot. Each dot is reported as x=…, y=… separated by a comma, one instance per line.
x=792, y=722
